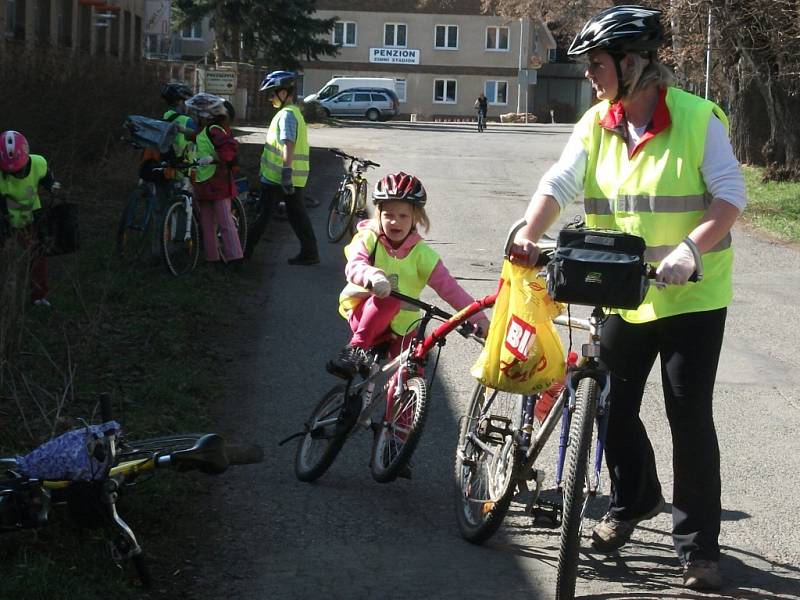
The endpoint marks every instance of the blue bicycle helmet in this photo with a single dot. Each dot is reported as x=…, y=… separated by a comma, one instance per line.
x=278, y=80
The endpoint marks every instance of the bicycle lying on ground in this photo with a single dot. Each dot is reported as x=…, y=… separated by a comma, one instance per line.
x=398, y=386
x=500, y=440
x=350, y=200
x=26, y=502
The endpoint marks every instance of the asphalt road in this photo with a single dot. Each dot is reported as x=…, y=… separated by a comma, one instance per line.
x=348, y=537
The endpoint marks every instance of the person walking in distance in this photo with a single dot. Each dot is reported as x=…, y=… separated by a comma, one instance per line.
x=285, y=168
x=654, y=161
x=482, y=106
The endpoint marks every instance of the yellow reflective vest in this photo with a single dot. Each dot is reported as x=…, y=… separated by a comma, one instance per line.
x=205, y=147
x=22, y=194
x=411, y=275
x=658, y=194
x=272, y=157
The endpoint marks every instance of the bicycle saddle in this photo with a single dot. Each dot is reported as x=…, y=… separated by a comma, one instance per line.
x=207, y=456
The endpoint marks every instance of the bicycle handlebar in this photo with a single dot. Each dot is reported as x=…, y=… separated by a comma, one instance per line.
x=366, y=163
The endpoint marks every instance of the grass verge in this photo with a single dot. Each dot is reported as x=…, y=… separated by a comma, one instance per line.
x=773, y=205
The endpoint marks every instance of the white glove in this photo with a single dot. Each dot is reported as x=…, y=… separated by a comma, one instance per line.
x=205, y=160
x=380, y=285
x=677, y=267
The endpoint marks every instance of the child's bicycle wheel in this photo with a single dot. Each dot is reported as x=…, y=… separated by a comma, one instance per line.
x=326, y=432
x=399, y=434
x=133, y=232
x=181, y=245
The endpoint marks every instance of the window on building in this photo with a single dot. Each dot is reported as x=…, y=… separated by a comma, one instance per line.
x=344, y=33
x=394, y=34
x=400, y=89
x=446, y=37
x=444, y=91
x=193, y=31
x=497, y=38
x=496, y=92
x=552, y=55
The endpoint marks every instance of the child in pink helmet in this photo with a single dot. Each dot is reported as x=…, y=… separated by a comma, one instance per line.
x=21, y=175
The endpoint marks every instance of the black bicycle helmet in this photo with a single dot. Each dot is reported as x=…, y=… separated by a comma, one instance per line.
x=175, y=91
x=620, y=29
x=399, y=186
x=278, y=80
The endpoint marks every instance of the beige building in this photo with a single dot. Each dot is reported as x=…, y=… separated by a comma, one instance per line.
x=112, y=27
x=441, y=56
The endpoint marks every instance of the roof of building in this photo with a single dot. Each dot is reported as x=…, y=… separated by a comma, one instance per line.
x=451, y=7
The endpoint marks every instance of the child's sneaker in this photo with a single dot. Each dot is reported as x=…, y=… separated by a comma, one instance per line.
x=349, y=361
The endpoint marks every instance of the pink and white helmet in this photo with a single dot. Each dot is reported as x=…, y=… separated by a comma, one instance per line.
x=14, y=151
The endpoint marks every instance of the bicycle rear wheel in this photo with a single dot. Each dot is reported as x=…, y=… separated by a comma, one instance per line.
x=239, y=215
x=400, y=431
x=133, y=231
x=361, y=207
x=181, y=247
x=326, y=432
x=486, y=462
x=576, y=485
x=340, y=213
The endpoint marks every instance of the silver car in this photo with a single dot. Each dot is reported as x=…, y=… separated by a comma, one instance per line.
x=376, y=104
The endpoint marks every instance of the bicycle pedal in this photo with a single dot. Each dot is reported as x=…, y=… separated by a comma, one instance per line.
x=495, y=428
x=547, y=514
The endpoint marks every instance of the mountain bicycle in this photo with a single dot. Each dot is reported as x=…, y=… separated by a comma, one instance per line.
x=500, y=440
x=398, y=386
x=350, y=200
x=481, y=121
x=121, y=464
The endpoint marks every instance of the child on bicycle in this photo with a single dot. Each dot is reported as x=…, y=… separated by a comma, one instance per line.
x=21, y=174
x=388, y=253
x=214, y=186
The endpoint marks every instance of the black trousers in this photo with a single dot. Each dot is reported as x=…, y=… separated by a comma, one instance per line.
x=689, y=346
x=296, y=213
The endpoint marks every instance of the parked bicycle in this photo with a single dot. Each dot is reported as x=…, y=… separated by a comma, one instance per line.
x=397, y=386
x=109, y=464
x=350, y=200
x=500, y=440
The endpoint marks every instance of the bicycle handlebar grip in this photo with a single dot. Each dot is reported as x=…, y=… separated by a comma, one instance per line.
x=105, y=407
x=244, y=454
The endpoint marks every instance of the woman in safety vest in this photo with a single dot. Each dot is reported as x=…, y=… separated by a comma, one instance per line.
x=214, y=185
x=21, y=174
x=285, y=167
x=654, y=161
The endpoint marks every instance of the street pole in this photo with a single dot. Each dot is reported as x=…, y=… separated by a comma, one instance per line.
x=519, y=68
x=708, y=53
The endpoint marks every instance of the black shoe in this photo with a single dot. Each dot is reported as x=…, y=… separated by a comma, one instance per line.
x=349, y=361
x=304, y=260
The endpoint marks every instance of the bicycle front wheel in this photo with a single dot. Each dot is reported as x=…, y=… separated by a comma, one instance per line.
x=400, y=431
x=486, y=462
x=326, y=432
x=340, y=213
x=133, y=231
x=576, y=485
x=181, y=244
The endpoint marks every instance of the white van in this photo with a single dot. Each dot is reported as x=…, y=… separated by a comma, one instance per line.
x=337, y=84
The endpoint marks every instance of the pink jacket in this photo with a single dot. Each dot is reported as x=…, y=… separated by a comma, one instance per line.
x=359, y=270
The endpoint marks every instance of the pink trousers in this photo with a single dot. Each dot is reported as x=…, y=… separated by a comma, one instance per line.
x=370, y=322
x=213, y=214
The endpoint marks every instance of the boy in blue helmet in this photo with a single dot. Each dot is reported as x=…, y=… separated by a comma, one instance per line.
x=285, y=167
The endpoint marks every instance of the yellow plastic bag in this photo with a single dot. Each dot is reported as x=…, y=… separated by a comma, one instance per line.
x=523, y=353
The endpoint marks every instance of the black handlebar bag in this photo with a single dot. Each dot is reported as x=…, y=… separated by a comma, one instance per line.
x=57, y=228
x=596, y=267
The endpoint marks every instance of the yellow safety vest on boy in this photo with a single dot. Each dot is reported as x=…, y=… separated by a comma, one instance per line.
x=658, y=194
x=272, y=157
x=411, y=273
x=205, y=147
x=22, y=194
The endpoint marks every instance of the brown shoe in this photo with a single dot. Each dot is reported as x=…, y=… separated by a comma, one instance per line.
x=611, y=533
x=702, y=575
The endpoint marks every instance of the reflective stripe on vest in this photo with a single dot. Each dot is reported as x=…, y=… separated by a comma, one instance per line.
x=22, y=195
x=272, y=157
x=205, y=147
x=412, y=274
x=659, y=195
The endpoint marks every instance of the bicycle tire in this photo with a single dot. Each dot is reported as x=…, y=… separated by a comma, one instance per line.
x=575, y=486
x=318, y=448
x=361, y=207
x=340, y=213
x=180, y=254
x=239, y=216
x=485, y=485
x=395, y=444
x=133, y=231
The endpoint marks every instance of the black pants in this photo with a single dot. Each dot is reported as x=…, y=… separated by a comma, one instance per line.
x=689, y=346
x=296, y=213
